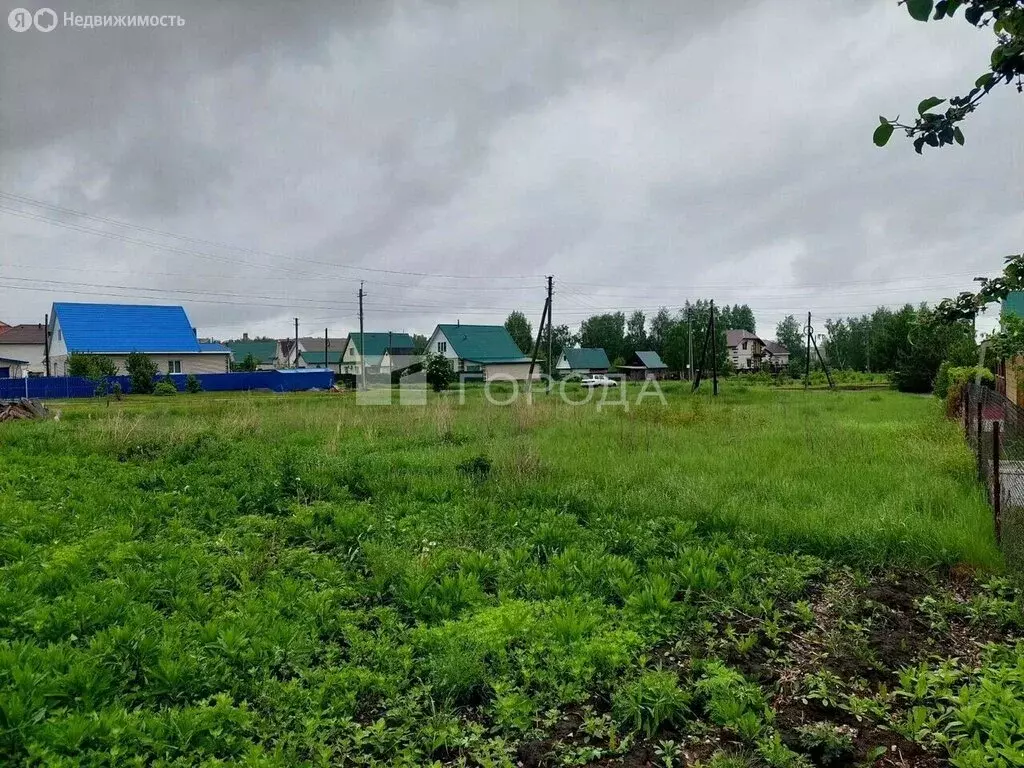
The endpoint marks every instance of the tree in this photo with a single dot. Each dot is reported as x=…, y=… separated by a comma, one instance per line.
x=93, y=367
x=661, y=326
x=929, y=343
x=789, y=334
x=1006, y=65
x=521, y=331
x=419, y=343
x=248, y=364
x=142, y=371
x=636, y=334
x=607, y=332
x=440, y=373
x=192, y=384
x=561, y=338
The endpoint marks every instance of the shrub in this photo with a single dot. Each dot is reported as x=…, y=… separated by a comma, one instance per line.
x=142, y=371
x=192, y=385
x=440, y=373
x=825, y=743
x=165, y=387
x=92, y=367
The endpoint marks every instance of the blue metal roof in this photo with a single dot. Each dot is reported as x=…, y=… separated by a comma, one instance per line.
x=124, y=328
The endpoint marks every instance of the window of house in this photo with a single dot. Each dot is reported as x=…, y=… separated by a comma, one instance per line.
x=60, y=334
x=744, y=345
x=442, y=346
x=174, y=366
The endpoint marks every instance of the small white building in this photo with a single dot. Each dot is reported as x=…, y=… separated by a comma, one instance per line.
x=25, y=343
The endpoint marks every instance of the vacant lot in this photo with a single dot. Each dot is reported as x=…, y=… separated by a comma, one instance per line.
x=282, y=580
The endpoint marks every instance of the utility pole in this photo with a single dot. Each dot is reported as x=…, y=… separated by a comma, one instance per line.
x=714, y=351
x=551, y=363
x=807, y=360
x=296, y=342
x=545, y=316
x=46, y=341
x=689, y=341
x=817, y=352
x=362, y=348
x=326, y=344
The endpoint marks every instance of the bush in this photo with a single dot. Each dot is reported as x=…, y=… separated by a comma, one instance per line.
x=440, y=373
x=92, y=367
x=142, y=371
x=192, y=384
x=955, y=381
x=165, y=387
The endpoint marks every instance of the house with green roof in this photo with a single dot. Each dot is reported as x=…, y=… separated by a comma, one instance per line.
x=263, y=351
x=487, y=351
x=582, y=361
x=368, y=349
x=645, y=365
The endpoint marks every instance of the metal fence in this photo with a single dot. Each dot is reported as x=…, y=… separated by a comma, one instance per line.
x=43, y=387
x=995, y=431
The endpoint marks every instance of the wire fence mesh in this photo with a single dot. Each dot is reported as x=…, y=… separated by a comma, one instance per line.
x=994, y=426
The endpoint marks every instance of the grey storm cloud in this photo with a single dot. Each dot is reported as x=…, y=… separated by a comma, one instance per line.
x=270, y=156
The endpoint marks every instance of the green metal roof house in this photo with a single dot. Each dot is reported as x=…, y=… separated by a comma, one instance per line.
x=645, y=365
x=265, y=352
x=488, y=350
x=371, y=346
x=583, y=360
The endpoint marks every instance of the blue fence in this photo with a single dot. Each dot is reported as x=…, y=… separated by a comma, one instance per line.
x=43, y=387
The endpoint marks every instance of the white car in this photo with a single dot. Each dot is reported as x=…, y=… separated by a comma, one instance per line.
x=598, y=380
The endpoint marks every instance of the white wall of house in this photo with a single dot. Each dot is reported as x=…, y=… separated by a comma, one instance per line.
x=505, y=371
x=562, y=364
x=189, y=362
x=33, y=354
x=438, y=344
x=743, y=359
x=58, y=348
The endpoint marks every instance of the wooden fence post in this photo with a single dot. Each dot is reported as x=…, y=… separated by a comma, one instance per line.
x=978, y=446
x=997, y=502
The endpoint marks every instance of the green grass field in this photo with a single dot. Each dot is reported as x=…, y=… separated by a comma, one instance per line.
x=298, y=579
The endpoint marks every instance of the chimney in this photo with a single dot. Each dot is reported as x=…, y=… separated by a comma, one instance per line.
x=245, y=337
x=457, y=322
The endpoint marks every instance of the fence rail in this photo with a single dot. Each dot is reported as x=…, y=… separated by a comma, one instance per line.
x=994, y=427
x=50, y=387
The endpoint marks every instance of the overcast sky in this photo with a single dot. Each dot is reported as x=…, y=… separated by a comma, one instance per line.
x=266, y=157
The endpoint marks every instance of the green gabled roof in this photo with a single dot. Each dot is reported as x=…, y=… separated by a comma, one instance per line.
x=263, y=351
x=586, y=358
x=376, y=343
x=316, y=356
x=651, y=360
x=482, y=343
x=1013, y=304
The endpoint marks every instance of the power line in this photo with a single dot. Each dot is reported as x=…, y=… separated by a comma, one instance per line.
x=226, y=246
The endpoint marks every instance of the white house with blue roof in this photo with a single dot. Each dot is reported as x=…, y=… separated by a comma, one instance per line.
x=162, y=332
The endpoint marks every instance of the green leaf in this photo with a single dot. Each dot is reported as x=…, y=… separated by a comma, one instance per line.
x=882, y=134
x=958, y=135
x=931, y=101
x=920, y=9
